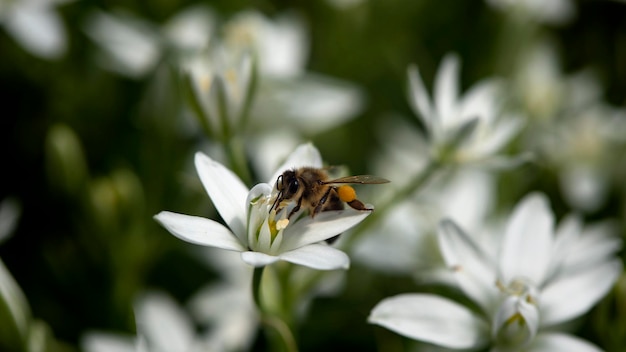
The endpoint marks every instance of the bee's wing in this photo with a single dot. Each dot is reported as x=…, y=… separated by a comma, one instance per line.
x=362, y=179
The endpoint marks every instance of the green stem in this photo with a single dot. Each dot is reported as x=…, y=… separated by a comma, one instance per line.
x=237, y=156
x=396, y=198
x=280, y=336
x=256, y=286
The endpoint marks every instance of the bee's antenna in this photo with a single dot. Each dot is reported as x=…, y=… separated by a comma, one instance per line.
x=278, y=196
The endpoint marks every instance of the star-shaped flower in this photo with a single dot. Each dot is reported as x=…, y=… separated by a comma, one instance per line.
x=533, y=285
x=253, y=229
x=470, y=127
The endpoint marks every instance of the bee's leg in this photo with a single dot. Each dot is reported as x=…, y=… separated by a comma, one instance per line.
x=322, y=201
x=358, y=205
x=295, y=209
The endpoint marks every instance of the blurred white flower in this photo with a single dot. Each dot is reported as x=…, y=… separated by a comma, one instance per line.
x=220, y=88
x=409, y=243
x=545, y=92
x=469, y=128
x=253, y=230
x=281, y=45
x=542, y=11
x=524, y=293
x=288, y=93
x=226, y=306
x=36, y=25
x=133, y=47
x=162, y=326
x=581, y=146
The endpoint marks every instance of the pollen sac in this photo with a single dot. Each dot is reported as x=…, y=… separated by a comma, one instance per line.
x=346, y=193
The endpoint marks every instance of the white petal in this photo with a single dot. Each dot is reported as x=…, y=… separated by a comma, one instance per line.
x=163, y=323
x=432, y=319
x=199, y=230
x=304, y=155
x=500, y=134
x=472, y=267
x=549, y=342
x=419, y=99
x=323, y=226
x=227, y=192
x=191, y=28
x=257, y=218
x=596, y=243
x=479, y=102
x=318, y=256
x=283, y=46
x=506, y=327
x=527, y=243
x=446, y=91
x=132, y=45
x=258, y=259
x=107, y=342
x=574, y=295
x=39, y=29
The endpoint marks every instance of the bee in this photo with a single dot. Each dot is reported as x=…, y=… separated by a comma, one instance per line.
x=311, y=188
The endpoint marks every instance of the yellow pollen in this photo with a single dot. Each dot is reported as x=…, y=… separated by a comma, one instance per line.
x=281, y=224
x=346, y=193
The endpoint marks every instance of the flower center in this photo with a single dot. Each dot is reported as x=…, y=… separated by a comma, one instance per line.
x=517, y=319
x=520, y=287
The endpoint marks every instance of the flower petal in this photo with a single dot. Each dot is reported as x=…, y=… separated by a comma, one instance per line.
x=516, y=322
x=163, y=323
x=318, y=256
x=95, y=341
x=323, y=226
x=38, y=28
x=446, y=91
x=527, y=243
x=258, y=259
x=304, y=155
x=432, y=319
x=582, y=290
x=419, y=99
x=227, y=192
x=595, y=244
x=479, y=101
x=199, y=230
x=500, y=134
x=471, y=266
x=549, y=342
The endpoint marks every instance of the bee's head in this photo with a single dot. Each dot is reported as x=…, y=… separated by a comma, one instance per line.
x=287, y=186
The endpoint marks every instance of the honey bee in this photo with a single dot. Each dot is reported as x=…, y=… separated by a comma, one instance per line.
x=311, y=188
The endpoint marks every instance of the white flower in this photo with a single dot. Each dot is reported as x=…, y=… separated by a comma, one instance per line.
x=532, y=286
x=162, y=326
x=226, y=306
x=287, y=91
x=252, y=230
x=133, y=47
x=581, y=147
x=280, y=44
x=468, y=125
x=543, y=11
x=36, y=25
x=220, y=89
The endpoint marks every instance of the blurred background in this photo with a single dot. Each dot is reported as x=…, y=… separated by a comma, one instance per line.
x=101, y=124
